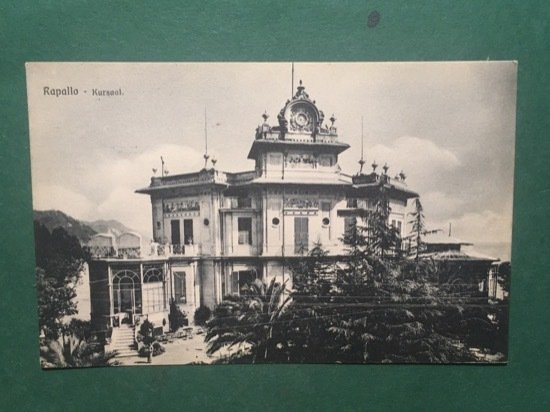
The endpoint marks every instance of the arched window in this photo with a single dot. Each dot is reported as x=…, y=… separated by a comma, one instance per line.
x=153, y=290
x=126, y=291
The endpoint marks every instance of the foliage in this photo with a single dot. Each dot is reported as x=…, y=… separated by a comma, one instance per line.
x=59, y=260
x=75, y=348
x=374, y=305
x=157, y=349
x=147, y=340
x=176, y=317
x=250, y=321
x=55, y=302
x=147, y=333
x=418, y=229
x=58, y=254
x=202, y=315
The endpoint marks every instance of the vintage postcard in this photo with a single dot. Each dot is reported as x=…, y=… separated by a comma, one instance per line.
x=198, y=213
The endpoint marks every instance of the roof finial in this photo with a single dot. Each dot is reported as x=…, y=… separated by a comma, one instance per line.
x=300, y=88
x=385, y=167
x=374, y=166
x=362, y=160
x=292, y=90
x=163, y=171
x=265, y=116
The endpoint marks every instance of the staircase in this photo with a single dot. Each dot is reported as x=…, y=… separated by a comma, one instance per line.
x=123, y=342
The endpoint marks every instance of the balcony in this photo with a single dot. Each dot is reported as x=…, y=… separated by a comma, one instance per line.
x=168, y=250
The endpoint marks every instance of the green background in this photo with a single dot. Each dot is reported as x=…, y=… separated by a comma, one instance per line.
x=282, y=31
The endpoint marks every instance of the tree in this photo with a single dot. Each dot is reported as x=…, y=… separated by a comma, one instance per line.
x=176, y=317
x=248, y=321
x=382, y=239
x=74, y=348
x=55, y=303
x=147, y=337
x=378, y=308
x=60, y=261
x=418, y=229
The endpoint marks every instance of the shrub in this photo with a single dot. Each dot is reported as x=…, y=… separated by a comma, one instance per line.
x=177, y=318
x=158, y=349
x=202, y=315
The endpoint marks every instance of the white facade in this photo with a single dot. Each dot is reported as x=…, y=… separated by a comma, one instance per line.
x=221, y=230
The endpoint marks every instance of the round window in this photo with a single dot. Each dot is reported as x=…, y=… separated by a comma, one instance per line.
x=206, y=222
x=326, y=221
x=275, y=221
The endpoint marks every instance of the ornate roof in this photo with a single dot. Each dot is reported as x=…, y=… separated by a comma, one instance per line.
x=299, y=117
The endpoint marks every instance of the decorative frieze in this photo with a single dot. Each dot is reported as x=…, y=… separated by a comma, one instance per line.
x=182, y=206
x=300, y=203
x=303, y=160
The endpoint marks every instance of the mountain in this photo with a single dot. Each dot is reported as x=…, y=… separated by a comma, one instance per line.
x=80, y=229
x=55, y=218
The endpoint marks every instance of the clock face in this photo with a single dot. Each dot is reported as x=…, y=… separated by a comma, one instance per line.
x=301, y=119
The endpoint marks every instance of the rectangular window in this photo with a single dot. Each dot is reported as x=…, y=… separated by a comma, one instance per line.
x=241, y=279
x=350, y=223
x=325, y=206
x=175, y=227
x=399, y=227
x=301, y=235
x=188, y=231
x=180, y=287
x=245, y=230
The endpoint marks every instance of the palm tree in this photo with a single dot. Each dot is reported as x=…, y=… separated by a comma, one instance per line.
x=74, y=349
x=248, y=320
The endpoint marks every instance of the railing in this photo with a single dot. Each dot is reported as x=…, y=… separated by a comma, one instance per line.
x=129, y=252
x=174, y=250
x=205, y=176
x=101, y=251
x=236, y=178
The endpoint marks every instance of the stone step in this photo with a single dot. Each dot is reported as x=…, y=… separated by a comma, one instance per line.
x=123, y=349
x=120, y=344
x=128, y=342
x=125, y=354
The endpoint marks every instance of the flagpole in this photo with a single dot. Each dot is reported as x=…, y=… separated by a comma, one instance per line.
x=292, y=90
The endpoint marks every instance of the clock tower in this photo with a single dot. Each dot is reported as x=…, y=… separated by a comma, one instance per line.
x=301, y=146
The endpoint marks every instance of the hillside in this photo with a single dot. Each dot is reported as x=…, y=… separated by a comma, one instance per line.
x=80, y=229
x=55, y=218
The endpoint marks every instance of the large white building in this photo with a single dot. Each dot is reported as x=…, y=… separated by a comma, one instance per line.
x=216, y=231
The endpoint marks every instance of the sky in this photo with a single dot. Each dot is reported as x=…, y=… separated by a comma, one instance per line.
x=450, y=126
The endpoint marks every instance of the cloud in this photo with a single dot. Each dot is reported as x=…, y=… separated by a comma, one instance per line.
x=487, y=226
x=438, y=205
x=120, y=178
x=60, y=198
x=107, y=190
x=421, y=159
